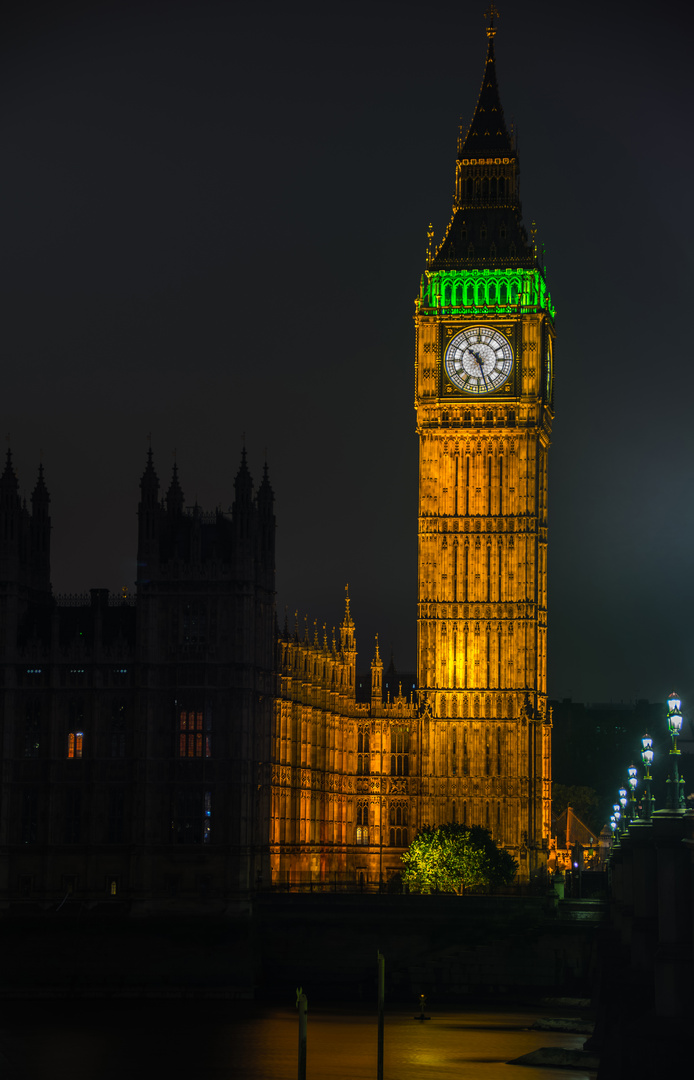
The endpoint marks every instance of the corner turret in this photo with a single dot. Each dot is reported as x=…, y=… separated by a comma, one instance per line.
x=149, y=520
x=376, y=677
x=174, y=496
x=40, y=536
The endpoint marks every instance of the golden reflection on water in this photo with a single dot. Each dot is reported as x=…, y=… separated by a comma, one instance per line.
x=226, y=1040
x=464, y=1045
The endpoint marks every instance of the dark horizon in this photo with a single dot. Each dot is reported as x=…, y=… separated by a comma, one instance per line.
x=215, y=225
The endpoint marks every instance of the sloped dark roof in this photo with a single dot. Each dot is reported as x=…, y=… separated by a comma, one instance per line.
x=488, y=133
x=486, y=236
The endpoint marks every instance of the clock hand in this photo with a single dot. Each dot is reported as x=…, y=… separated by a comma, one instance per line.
x=481, y=367
x=481, y=371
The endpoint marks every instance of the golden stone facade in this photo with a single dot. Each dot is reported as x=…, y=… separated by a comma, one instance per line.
x=343, y=783
x=478, y=736
x=484, y=390
x=482, y=613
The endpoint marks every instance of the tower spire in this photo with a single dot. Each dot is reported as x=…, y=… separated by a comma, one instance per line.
x=243, y=484
x=491, y=15
x=376, y=677
x=347, y=627
x=174, y=496
x=487, y=132
x=486, y=229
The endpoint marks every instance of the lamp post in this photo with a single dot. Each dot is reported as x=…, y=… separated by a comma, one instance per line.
x=633, y=781
x=647, y=758
x=623, y=807
x=675, y=783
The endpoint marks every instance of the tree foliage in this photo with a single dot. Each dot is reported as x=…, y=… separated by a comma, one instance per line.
x=452, y=858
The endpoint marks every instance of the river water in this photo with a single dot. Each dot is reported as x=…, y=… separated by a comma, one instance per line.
x=223, y=1040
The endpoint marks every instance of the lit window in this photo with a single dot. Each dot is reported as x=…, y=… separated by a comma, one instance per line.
x=74, y=744
x=362, y=824
x=194, y=734
x=113, y=887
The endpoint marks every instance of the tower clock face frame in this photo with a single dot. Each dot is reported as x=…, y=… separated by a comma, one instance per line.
x=479, y=360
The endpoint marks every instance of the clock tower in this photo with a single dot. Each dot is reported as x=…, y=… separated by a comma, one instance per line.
x=484, y=387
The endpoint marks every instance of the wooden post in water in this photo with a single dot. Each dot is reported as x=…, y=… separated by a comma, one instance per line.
x=302, y=1006
x=381, y=997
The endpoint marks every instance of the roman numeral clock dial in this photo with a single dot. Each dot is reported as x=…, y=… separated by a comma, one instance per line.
x=479, y=360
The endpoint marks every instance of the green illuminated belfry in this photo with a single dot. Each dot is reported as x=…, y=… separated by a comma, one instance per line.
x=486, y=226
x=485, y=258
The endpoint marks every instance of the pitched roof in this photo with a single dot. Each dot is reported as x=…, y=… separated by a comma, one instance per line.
x=487, y=133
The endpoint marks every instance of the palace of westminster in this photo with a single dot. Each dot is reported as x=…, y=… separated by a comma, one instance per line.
x=178, y=745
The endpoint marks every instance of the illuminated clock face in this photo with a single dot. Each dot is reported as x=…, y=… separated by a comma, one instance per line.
x=479, y=360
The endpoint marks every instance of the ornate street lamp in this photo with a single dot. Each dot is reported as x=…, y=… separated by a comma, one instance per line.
x=623, y=808
x=647, y=759
x=633, y=781
x=675, y=783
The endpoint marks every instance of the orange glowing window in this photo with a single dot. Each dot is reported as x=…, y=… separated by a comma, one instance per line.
x=194, y=735
x=74, y=744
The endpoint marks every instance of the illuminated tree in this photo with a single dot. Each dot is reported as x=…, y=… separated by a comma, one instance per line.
x=451, y=858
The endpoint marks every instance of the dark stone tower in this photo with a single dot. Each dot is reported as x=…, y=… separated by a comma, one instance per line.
x=136, y=732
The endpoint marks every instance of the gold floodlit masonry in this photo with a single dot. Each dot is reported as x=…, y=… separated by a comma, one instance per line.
x=484, y=384
x=353, y=780
x=172, y=748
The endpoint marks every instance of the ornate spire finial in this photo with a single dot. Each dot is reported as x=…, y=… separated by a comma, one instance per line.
x=430, y=243
x=491, y=15
x=533, y=234
x=378, y=655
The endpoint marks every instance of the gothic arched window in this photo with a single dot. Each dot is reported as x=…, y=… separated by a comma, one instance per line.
x=363, y=755
x=399, y=747
x=362, y=824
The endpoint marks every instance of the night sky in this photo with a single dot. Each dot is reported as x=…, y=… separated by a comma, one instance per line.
x=214, y=223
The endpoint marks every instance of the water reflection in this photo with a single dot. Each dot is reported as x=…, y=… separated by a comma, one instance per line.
x=221, y=1040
